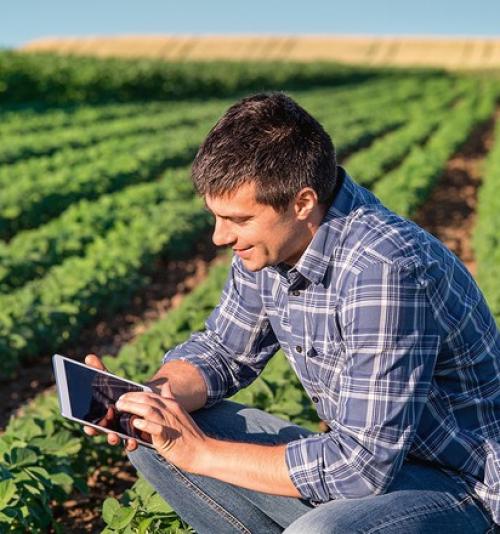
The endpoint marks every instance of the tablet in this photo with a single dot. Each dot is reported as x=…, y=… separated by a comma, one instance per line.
x=88, y=396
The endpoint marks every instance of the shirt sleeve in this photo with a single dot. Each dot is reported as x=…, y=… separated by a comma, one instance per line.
x=237, y=342
x=390, y=345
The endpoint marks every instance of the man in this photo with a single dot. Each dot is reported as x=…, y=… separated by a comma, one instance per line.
x=386, y=329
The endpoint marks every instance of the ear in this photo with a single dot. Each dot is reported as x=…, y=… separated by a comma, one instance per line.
x=306, y=202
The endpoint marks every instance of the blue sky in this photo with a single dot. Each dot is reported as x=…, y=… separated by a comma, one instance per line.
x=24, y=20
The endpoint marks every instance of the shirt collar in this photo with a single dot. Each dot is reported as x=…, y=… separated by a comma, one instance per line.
x=314, y=262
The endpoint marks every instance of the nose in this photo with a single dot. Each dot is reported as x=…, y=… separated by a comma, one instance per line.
x=223, y=235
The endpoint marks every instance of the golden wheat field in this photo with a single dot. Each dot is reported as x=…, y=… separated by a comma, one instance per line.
x=452, y=53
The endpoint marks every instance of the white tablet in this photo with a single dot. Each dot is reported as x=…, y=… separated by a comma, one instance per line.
x=88, y=396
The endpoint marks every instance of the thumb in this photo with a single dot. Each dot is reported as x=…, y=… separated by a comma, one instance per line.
x=95, y=361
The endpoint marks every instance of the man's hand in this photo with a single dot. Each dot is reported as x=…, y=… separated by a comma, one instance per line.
x=113, y=439
x=177, y=437
x=174, y=433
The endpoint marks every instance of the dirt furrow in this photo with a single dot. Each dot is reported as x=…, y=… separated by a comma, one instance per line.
x=449, y=213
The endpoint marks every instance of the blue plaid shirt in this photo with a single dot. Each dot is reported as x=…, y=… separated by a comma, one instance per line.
x=391, y=339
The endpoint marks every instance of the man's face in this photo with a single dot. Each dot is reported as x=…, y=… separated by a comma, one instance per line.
x=259, y=234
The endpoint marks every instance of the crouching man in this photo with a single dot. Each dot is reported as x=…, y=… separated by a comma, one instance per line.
x=386, y=329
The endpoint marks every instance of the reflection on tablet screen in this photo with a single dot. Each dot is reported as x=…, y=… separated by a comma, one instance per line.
x=93, y=396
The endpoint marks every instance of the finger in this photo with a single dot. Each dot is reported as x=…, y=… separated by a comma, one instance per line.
x=151, y=406
x=108, y=418
x=145, y=397
x=150, y=427
x=90, y=431
x=165, y=404
x=94, y=361
x=123, y=403
x=131, y=445
x=159, y=435
x=141, y=396
x=113, y=439
x=148, y=411
x=110, y=414
x=170, y=405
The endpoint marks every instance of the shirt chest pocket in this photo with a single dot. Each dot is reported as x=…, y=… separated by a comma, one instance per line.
x=324, y=331
x=324, y=368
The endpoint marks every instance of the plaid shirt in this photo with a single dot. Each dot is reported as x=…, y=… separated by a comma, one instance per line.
x=391, y=339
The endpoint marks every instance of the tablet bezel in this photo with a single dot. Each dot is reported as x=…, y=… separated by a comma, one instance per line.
x=63, y=395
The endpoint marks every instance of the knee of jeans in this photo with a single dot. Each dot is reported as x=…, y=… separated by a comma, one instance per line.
x=145, y=459
x=323, y=523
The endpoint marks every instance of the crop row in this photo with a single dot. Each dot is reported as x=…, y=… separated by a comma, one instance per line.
x=384, y=94
x=27, y=204
x=60, y=80
x=50, y=310
x=355, y=103
x=360, y=131
x=31, y=121
x=486, y=238
x=45, y=313
x=124, y=140
x=36, y=168
x=359, y=134
x=368, y=166
x=24, y=328
x=340, y=112
x=406, y=188
x=31, y=253
x=19, y=147
x=44, y=457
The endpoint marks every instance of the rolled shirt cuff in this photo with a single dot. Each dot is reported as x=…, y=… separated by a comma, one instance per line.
x=305, y=467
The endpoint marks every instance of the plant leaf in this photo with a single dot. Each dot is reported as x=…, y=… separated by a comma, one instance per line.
x=7, y=491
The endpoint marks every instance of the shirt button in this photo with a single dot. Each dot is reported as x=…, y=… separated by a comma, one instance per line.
x=296, y=293
x=315, y=399
x=298, y=348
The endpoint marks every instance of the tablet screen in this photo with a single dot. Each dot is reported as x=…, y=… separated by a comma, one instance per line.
x=93, y=396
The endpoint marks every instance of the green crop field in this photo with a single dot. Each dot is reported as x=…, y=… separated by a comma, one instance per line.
x=95, y=188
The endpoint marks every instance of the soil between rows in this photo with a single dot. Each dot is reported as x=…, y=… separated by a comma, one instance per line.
x=450, y=211
x=449, y=214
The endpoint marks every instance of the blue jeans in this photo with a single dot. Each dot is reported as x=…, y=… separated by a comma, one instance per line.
x=422, y=499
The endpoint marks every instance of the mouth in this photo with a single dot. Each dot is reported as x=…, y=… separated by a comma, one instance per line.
x=243, y=252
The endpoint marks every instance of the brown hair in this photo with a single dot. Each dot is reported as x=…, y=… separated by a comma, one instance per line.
x=271, y=140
